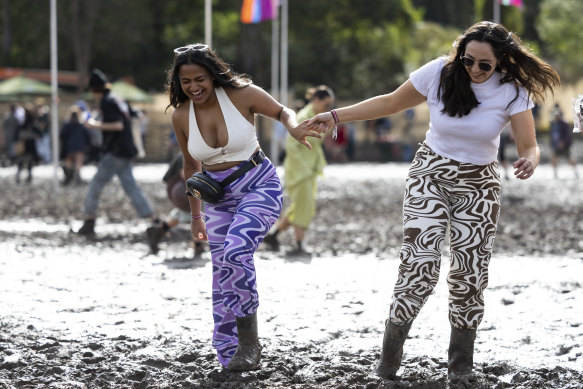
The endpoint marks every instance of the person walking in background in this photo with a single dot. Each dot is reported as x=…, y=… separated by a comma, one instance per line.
x=10, y=126
x=302, y=168
x=75, y=141
x=118, y=153
x=43, y=143
x=213, y=119
x=561, y=141
x=472, y=94
x=174, y=179
x=27, y=134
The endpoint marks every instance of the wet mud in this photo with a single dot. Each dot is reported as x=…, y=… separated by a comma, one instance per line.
x=102, y=312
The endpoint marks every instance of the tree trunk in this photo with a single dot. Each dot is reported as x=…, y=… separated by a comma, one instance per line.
x=6, y=29
x=84, y=14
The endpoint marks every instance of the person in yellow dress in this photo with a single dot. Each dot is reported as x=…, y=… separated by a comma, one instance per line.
x=302, y=168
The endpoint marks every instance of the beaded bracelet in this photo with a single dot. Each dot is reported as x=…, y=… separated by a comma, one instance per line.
x=335, y=130
x=194, y=217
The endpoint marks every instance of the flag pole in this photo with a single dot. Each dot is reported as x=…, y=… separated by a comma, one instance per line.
x=274, y=144
x=54, y=96
x=284, y=48
x=275, y=57
x=208, y=22
x=496, y=12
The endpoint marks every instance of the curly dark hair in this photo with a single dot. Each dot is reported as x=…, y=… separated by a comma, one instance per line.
x=517, y=63
x=204, y=56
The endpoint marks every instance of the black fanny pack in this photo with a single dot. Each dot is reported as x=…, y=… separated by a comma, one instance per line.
x=206, y=188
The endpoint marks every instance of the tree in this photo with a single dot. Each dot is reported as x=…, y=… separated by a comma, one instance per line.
x=559, y=26
x=83, y=15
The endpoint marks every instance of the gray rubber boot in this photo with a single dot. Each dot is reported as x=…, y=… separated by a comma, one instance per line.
x=392, y=352
x=461, y=352
x=248, y=354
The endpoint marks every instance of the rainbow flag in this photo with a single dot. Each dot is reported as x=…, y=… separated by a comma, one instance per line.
x=255, y=11
x=515, y=3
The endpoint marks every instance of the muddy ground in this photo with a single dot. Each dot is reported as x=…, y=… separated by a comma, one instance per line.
x=103, y=313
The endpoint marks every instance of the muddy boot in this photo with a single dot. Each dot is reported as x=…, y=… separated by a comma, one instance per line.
x=198, y=249
x=392, y=352
x=271, y=241
x=461, y=352
x=88, y=228
x=68, y=175
x=154, y=235
x=248, y=354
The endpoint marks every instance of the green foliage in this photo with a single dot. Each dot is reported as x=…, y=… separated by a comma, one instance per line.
x=429, y=41
x=559, y=26
x=358, y=47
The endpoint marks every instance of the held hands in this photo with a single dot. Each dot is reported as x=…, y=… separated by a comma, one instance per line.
x=301, y=131
x=322, y=122
x=523, y=168
x=198, y=230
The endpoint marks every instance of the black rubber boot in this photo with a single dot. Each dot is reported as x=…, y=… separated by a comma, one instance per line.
x=68, y=175
x=392, y=352
x=198, y=249
x=88, y=228
x=154, y=235
x=248, y=354
x=461, y=352
x=271, y=241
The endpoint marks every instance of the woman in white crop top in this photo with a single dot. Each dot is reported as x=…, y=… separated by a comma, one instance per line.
x=213, y=119
x=485, y=82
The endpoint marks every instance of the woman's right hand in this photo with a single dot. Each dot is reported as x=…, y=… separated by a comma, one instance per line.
x=322, y=122
x=198, y=230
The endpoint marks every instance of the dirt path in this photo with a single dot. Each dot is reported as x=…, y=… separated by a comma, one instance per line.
x=101, y=313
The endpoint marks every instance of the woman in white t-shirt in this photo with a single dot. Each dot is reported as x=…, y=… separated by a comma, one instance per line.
x=472, y=94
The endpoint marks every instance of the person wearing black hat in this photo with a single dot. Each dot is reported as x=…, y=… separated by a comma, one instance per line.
x=118, y=152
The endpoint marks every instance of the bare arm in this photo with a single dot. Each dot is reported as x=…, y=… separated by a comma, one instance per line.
x=190, y=166
x=263, y=104
x=109, y=126
x=525, y=138
x=404, y=97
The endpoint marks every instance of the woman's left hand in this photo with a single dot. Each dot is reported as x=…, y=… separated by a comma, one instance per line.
x=301, y=131
x=523, y=168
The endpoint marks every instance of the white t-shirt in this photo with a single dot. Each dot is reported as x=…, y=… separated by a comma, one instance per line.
x=473, y=138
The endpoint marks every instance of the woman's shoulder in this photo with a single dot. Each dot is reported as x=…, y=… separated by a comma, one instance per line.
x=430, y=69
x=181, y=110
x=180, y=113
x=244, y=92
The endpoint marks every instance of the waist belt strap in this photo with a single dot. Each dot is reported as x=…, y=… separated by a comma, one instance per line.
x=254, y=161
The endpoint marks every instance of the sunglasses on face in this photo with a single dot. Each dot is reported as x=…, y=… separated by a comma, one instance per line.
x=185, y=49
x=469, y=62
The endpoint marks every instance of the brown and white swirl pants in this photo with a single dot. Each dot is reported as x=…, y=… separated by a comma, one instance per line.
x=441, y=192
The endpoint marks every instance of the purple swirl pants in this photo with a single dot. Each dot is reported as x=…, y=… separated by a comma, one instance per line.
x=235, y=228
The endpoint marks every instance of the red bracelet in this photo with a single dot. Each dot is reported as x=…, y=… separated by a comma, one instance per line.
x=335, y=130
x=334, y=116
x=194, y=217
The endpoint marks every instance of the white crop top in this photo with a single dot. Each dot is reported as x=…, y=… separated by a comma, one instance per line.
x=473, y=138
x=242, y=141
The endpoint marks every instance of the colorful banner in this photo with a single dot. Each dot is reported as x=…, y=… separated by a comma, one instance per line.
x=515, y=3
x=255, y=11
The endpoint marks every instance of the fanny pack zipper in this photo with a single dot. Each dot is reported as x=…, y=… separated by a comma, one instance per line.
x=206, y=183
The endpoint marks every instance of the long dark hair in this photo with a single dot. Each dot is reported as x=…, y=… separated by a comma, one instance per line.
x=517, y=63
x=204, y=56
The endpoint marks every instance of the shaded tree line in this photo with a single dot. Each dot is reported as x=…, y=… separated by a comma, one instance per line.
x=359, y=47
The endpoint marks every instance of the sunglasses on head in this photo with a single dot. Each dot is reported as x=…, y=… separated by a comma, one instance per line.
x=469, y=62
x=185, y=49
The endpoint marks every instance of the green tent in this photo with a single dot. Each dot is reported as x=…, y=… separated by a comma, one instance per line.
x=20, y=86
x=130, y=92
